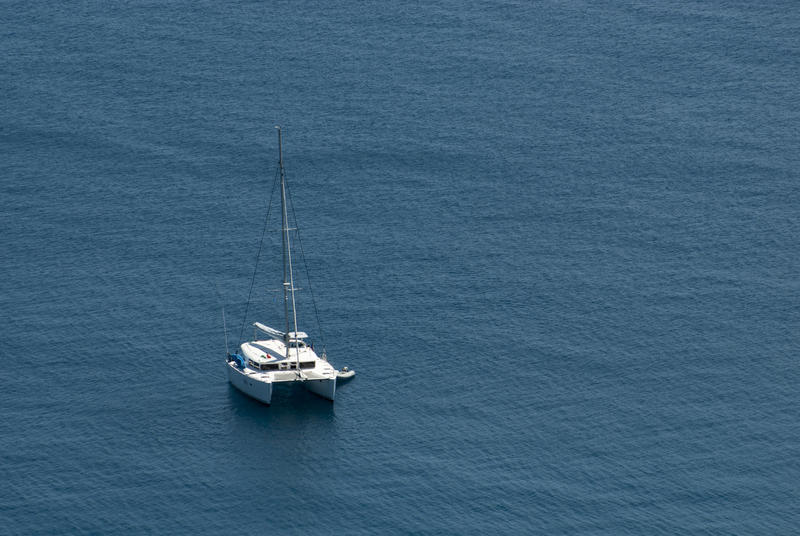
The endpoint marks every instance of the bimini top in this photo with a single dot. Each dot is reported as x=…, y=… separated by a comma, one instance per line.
x=272, y=332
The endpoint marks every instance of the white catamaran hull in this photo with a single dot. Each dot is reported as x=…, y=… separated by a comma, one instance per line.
x=259, y=387
x=324, y=388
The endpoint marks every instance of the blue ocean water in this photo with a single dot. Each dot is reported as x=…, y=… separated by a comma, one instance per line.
x=558, y=241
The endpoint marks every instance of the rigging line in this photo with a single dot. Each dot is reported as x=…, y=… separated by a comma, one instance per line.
x=258, y=256
x=305, y=265
x=224, y=325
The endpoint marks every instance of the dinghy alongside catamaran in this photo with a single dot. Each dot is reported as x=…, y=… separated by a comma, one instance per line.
x=282, y=357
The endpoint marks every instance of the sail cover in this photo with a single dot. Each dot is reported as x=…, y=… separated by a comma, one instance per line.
x=272, y=332
x=269, y=331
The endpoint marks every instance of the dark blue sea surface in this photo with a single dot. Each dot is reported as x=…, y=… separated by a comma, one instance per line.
x=558, y=241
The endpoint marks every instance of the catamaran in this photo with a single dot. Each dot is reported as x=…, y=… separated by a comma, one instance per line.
x=282, y=357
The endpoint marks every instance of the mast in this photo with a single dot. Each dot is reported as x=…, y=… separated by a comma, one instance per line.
x=288, y=277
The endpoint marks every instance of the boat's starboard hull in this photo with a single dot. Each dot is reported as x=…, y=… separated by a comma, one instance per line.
x=258, y=389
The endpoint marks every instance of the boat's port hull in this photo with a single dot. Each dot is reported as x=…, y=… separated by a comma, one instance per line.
x=325, y=388
x=248, y=384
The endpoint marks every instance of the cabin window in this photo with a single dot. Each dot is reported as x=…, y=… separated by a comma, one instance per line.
x=262, y=366
x=306, y=364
